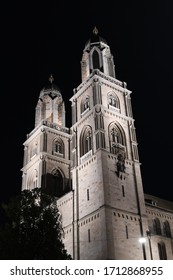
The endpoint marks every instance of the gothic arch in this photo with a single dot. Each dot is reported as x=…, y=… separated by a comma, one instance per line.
x=113, y=100
x=85, y=103
x=85, y=140
x=117, y=138
x=58, y=147
x=156, y=226
x=32, y=181
x=166, y=229
x=162, y=251
x=34, y=149
x=56, y=184
x=95, y=59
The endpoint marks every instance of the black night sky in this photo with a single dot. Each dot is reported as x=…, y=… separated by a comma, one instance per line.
x=40, y=40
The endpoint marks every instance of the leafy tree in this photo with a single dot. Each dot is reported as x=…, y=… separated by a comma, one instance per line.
x=33, y=229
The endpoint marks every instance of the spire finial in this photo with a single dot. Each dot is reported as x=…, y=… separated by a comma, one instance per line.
x=51, y=79
x=95, y=30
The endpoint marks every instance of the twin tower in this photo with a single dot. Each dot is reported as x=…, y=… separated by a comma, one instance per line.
x=92, y=168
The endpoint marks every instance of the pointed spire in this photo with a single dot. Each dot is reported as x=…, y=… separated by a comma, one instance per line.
x=51, y=79
x=95, y=31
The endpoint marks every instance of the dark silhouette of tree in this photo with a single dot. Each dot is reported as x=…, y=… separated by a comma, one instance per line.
x=33, y=229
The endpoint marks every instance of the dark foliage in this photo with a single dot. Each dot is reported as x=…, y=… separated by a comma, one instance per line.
x=33, y=229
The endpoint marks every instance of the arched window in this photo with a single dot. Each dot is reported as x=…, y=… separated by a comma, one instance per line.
x=58, y=147
x=85, y=141
x=32, y=180
x=95, y=59
x=34, y=149
x=162, y=251
x=166, y=229
x=56, y=187
x=85, y=104
x=56, y=183
x=117, y=138
x=156, y=226
x=113, y=101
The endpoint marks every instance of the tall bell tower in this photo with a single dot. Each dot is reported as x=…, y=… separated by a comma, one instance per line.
x=46, y=150
x=110, y=208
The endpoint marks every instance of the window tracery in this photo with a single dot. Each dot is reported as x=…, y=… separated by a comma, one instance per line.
x=86, y=141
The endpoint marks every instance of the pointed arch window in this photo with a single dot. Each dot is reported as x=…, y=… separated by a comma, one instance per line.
x=113, y=101
x=85, y=104
x=117, y=139
x=162, y=251
x=156, y=226
x=86, y=141
x=34, y=149
x=58, y=147
x=166, y=229
x=55, y=183
x=58, y=186
x=95, y=59
x=33, y=180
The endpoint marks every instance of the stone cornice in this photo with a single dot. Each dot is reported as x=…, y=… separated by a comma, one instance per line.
x=121, y=86
x=49, y=157
x=117, y=115
x=156, y=211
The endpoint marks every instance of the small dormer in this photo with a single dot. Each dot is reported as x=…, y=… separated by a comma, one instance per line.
x=151, y=202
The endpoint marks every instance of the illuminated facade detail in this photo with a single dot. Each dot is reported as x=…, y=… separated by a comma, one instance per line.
x=93, y=167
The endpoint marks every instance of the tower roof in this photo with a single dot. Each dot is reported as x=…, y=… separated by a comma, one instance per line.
x=50, y=89
x=95, y=38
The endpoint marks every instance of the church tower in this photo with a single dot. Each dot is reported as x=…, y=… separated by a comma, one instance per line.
x=46, y=150
x=93, y=168
x=109, y=199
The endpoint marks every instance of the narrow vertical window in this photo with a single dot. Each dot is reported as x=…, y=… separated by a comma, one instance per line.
x=166, y=229
x=123, y=191
x=88, y=141
x=57, y=147
x=86, y=103
x=162, y=251
x=156, y=226
x=89, y=237
x=85, y=141
x=88, y=195
x=34, y=150
x=95, y=57
x=127, y=233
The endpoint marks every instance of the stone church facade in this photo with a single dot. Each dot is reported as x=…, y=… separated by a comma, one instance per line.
x=93, y=167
